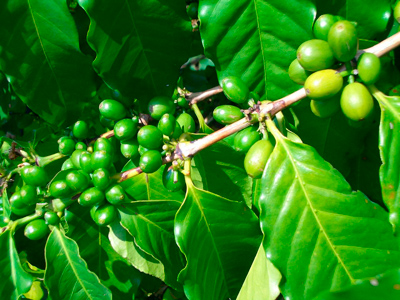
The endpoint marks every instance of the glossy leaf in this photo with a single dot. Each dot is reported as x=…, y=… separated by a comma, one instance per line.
x=149, y=186
x=67, y=275
x=228, y=177
x=372, y=16
x=336, y=236
x=124, y=244
x=140, y=45
x=151, y=224
x=219, y=238
x=14, y=280
x=39, y=51
x=98, y=253
x=384, y=286
x=256, y=40
x=262, y=281
x=389, y=143
x=5, y=208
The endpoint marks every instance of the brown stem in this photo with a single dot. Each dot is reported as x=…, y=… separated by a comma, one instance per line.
x=189, y=149
x=200, y=96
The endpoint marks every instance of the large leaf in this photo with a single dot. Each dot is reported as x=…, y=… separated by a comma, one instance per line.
x=389, y=143
x=39, y=53
x=151, y=223
x=67, y=275
x=124, y=244
x=219, y=238
x=14, y=280
x=220, y=170
x=262, y=281
x=385, y=286
x=256, y=40
x=318, y=233
x=372, y=16
x=149, y=186
x=140, y=45
x=96, y=250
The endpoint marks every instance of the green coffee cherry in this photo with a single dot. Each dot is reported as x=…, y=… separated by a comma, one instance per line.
x=167, y=124
x=77, y=180
x=80, y=146
x=356, y=102
x=115, y=194
x=101, y=178
x=369, y=68
x=177, y=132
x=186, y=123
x=24, y=211
x=60, y=189
x=160, y=105
x=36, y=230
x=322, y=25
x=51, y=218
x=246, y=138
x=192, y=10
x=66, y=146
x=28, y=194
x=315, y=55
x=101, y=159
x=297, y=73
x=130, y=148
x=257, y=157
x=112, y=110
x=85, y=162
x=67, y=165
x=327, y=107
x=323, y=84
x=150, y=137
x=342, y=39
x=235, y=89
x=150, y=161
x=103, y=144
x=125, y=129
x=103, y=215
x=16, y=201
x=80, y=130
x=173, y=180
x=90, y=197
x=34, y=175
x=76, y=158
x=227, y=114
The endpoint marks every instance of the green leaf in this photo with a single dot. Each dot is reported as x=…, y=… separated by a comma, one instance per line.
x=39, y=50
x=140, y=46
x=385, y=286
x=389, y=143
x=95, y=248
x=67, y=275
x=151, y=224
x=318, y=233
x=5, y=207
x=14, y=280
x=372, y=16
x=149, y=186
x=256, y=40
x=262, y=281
x=124, y=244
x=219, y=238
x=220, y=170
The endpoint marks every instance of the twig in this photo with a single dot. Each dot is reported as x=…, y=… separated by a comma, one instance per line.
x=189, y=149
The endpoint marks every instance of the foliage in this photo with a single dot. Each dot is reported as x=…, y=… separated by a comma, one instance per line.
x=319, y=220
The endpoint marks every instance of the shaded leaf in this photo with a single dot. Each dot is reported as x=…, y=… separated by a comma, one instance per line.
x=95, y=248
x=124, y=244
x=5, y=207
x=41, y=58
x=385, y=286
x=151, y=224
x=262, y=281
x=220, y=170
x=140, y=45
x=67, y=275
x=256, y=40
x=389, y=143
x=149, y=186
x=14, y=280
x=318, y=233
x=219, y=238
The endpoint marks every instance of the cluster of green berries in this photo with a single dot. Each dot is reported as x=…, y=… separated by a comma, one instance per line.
x=336, y=44
x=249, y=141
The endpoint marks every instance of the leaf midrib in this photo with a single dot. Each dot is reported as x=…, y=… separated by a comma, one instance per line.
x=64, y=248
x=313, y=210
x=261, y=46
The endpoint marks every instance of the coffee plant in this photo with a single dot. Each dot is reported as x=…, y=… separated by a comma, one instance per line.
x=202, y=150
